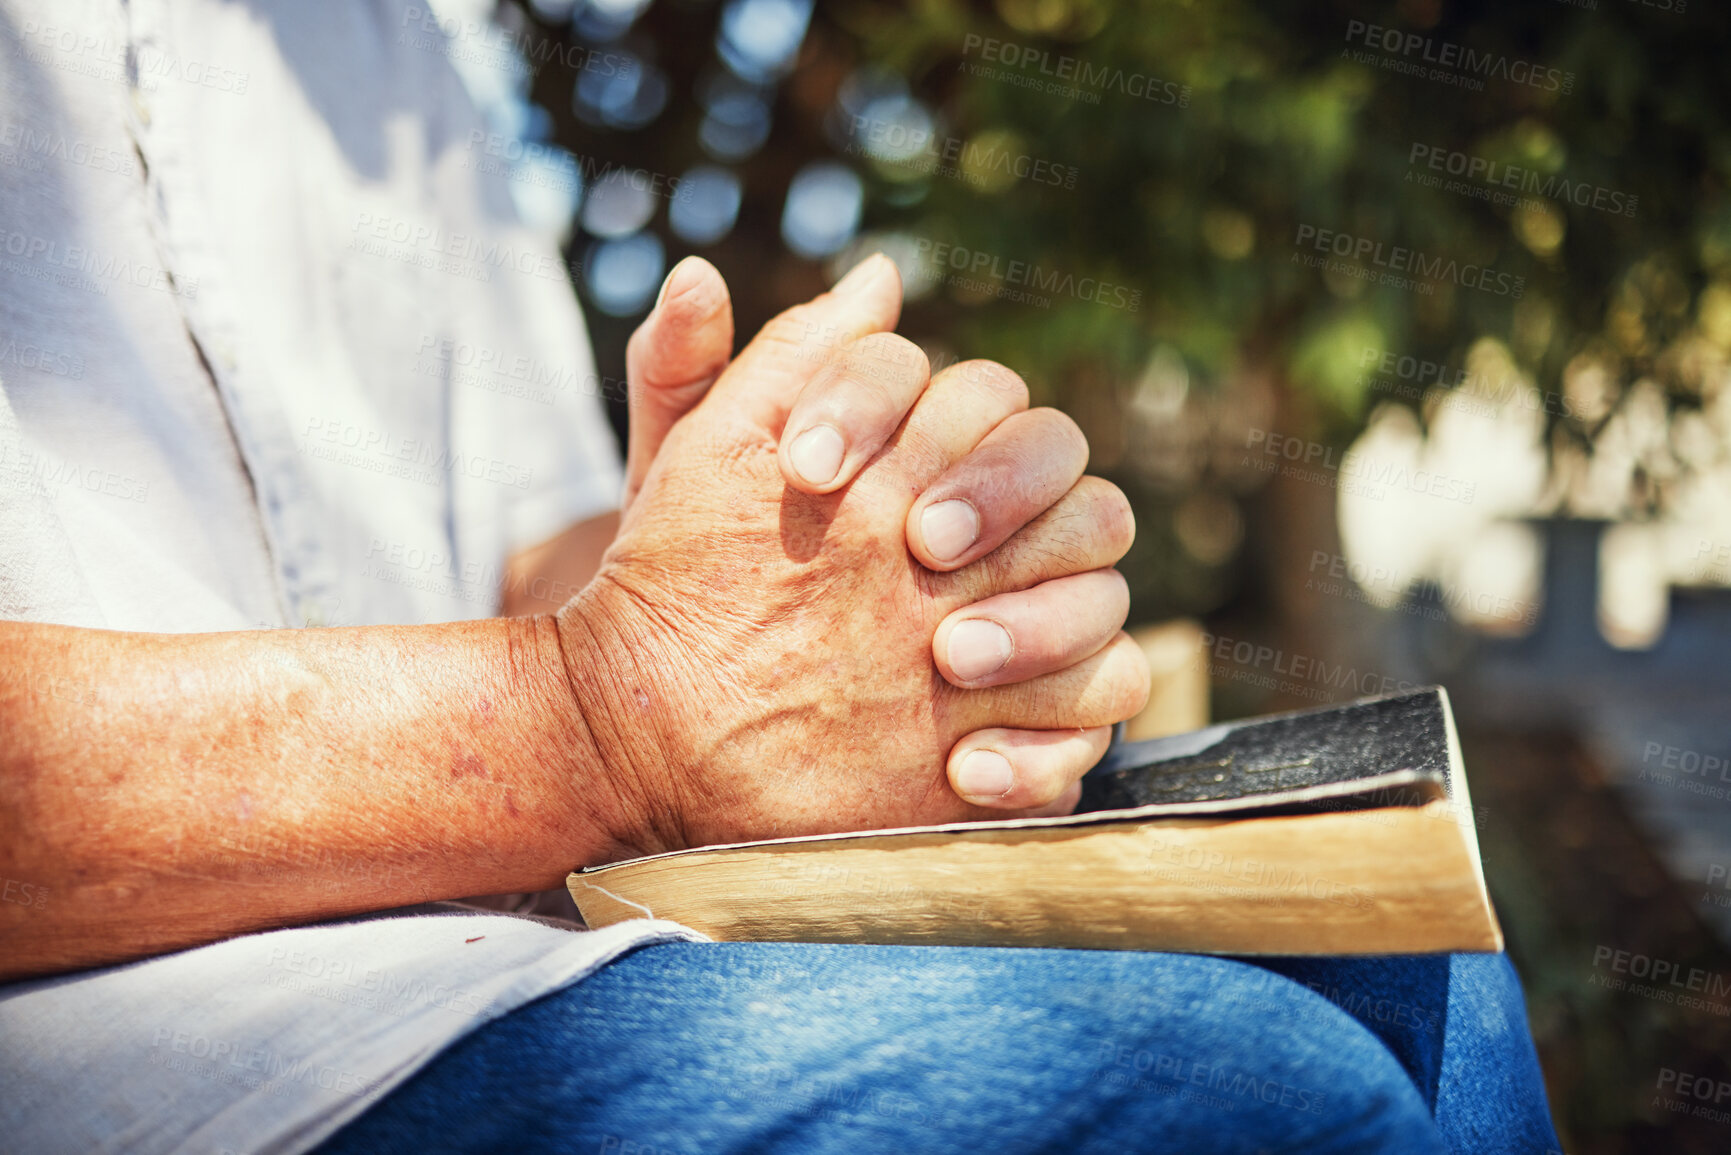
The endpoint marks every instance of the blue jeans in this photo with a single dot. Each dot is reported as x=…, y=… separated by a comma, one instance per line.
x=706, y=1048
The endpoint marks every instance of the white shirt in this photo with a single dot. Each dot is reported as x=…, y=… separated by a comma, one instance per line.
x=295, y=360
x=274, y=350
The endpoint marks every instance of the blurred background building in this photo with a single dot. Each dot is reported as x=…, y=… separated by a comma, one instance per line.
x=1405, y=325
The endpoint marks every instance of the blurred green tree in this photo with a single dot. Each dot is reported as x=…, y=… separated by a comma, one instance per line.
x=1253, y=174
x=1556, y=177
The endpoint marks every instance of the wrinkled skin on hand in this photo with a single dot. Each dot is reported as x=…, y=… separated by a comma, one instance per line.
x=758, y=660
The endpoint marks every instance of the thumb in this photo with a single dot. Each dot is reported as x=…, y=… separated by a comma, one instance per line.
x=673, y=358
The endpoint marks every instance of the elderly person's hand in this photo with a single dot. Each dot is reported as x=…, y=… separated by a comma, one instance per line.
x=905, y=616
x=761, y=656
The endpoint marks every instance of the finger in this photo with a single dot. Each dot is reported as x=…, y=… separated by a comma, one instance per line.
x=766, y=378
x=959, y=408
x=1089, y=528
x=1099, y=691
x=1017, y=636
x=1024, y=769
x=849, y=409
x=673, y=358
x=1013, y=475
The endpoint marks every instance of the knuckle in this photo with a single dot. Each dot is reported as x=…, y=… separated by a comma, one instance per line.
x=1131, y=679
x=1110, y=513
x=994, y=379
x=889, y=354
x=1110, y=587
x=1118, y=597
x=1022, y=477
x=1118, y=589
x=1064, y=431
x=847, y=393
x=1027, y=471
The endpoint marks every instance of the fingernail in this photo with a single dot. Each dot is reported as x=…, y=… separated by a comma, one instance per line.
x=816, y=454
x=861, y=275
x=949, y=528
x=978, y=647
x=984, y=774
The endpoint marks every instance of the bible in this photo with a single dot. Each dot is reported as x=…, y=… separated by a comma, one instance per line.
x=1335, y=831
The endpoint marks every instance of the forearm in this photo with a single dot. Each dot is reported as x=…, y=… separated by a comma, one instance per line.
x=168, y=790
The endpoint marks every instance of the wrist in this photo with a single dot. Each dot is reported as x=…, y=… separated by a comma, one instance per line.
x=595, y=824
x=609, y=690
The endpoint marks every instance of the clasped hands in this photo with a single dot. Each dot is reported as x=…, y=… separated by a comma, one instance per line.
x=846, y=593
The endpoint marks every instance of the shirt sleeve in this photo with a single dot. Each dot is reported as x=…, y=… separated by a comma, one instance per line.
x=559, y=432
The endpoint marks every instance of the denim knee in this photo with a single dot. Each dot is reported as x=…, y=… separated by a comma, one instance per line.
x=1249, y=1060
x=762, y=1048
